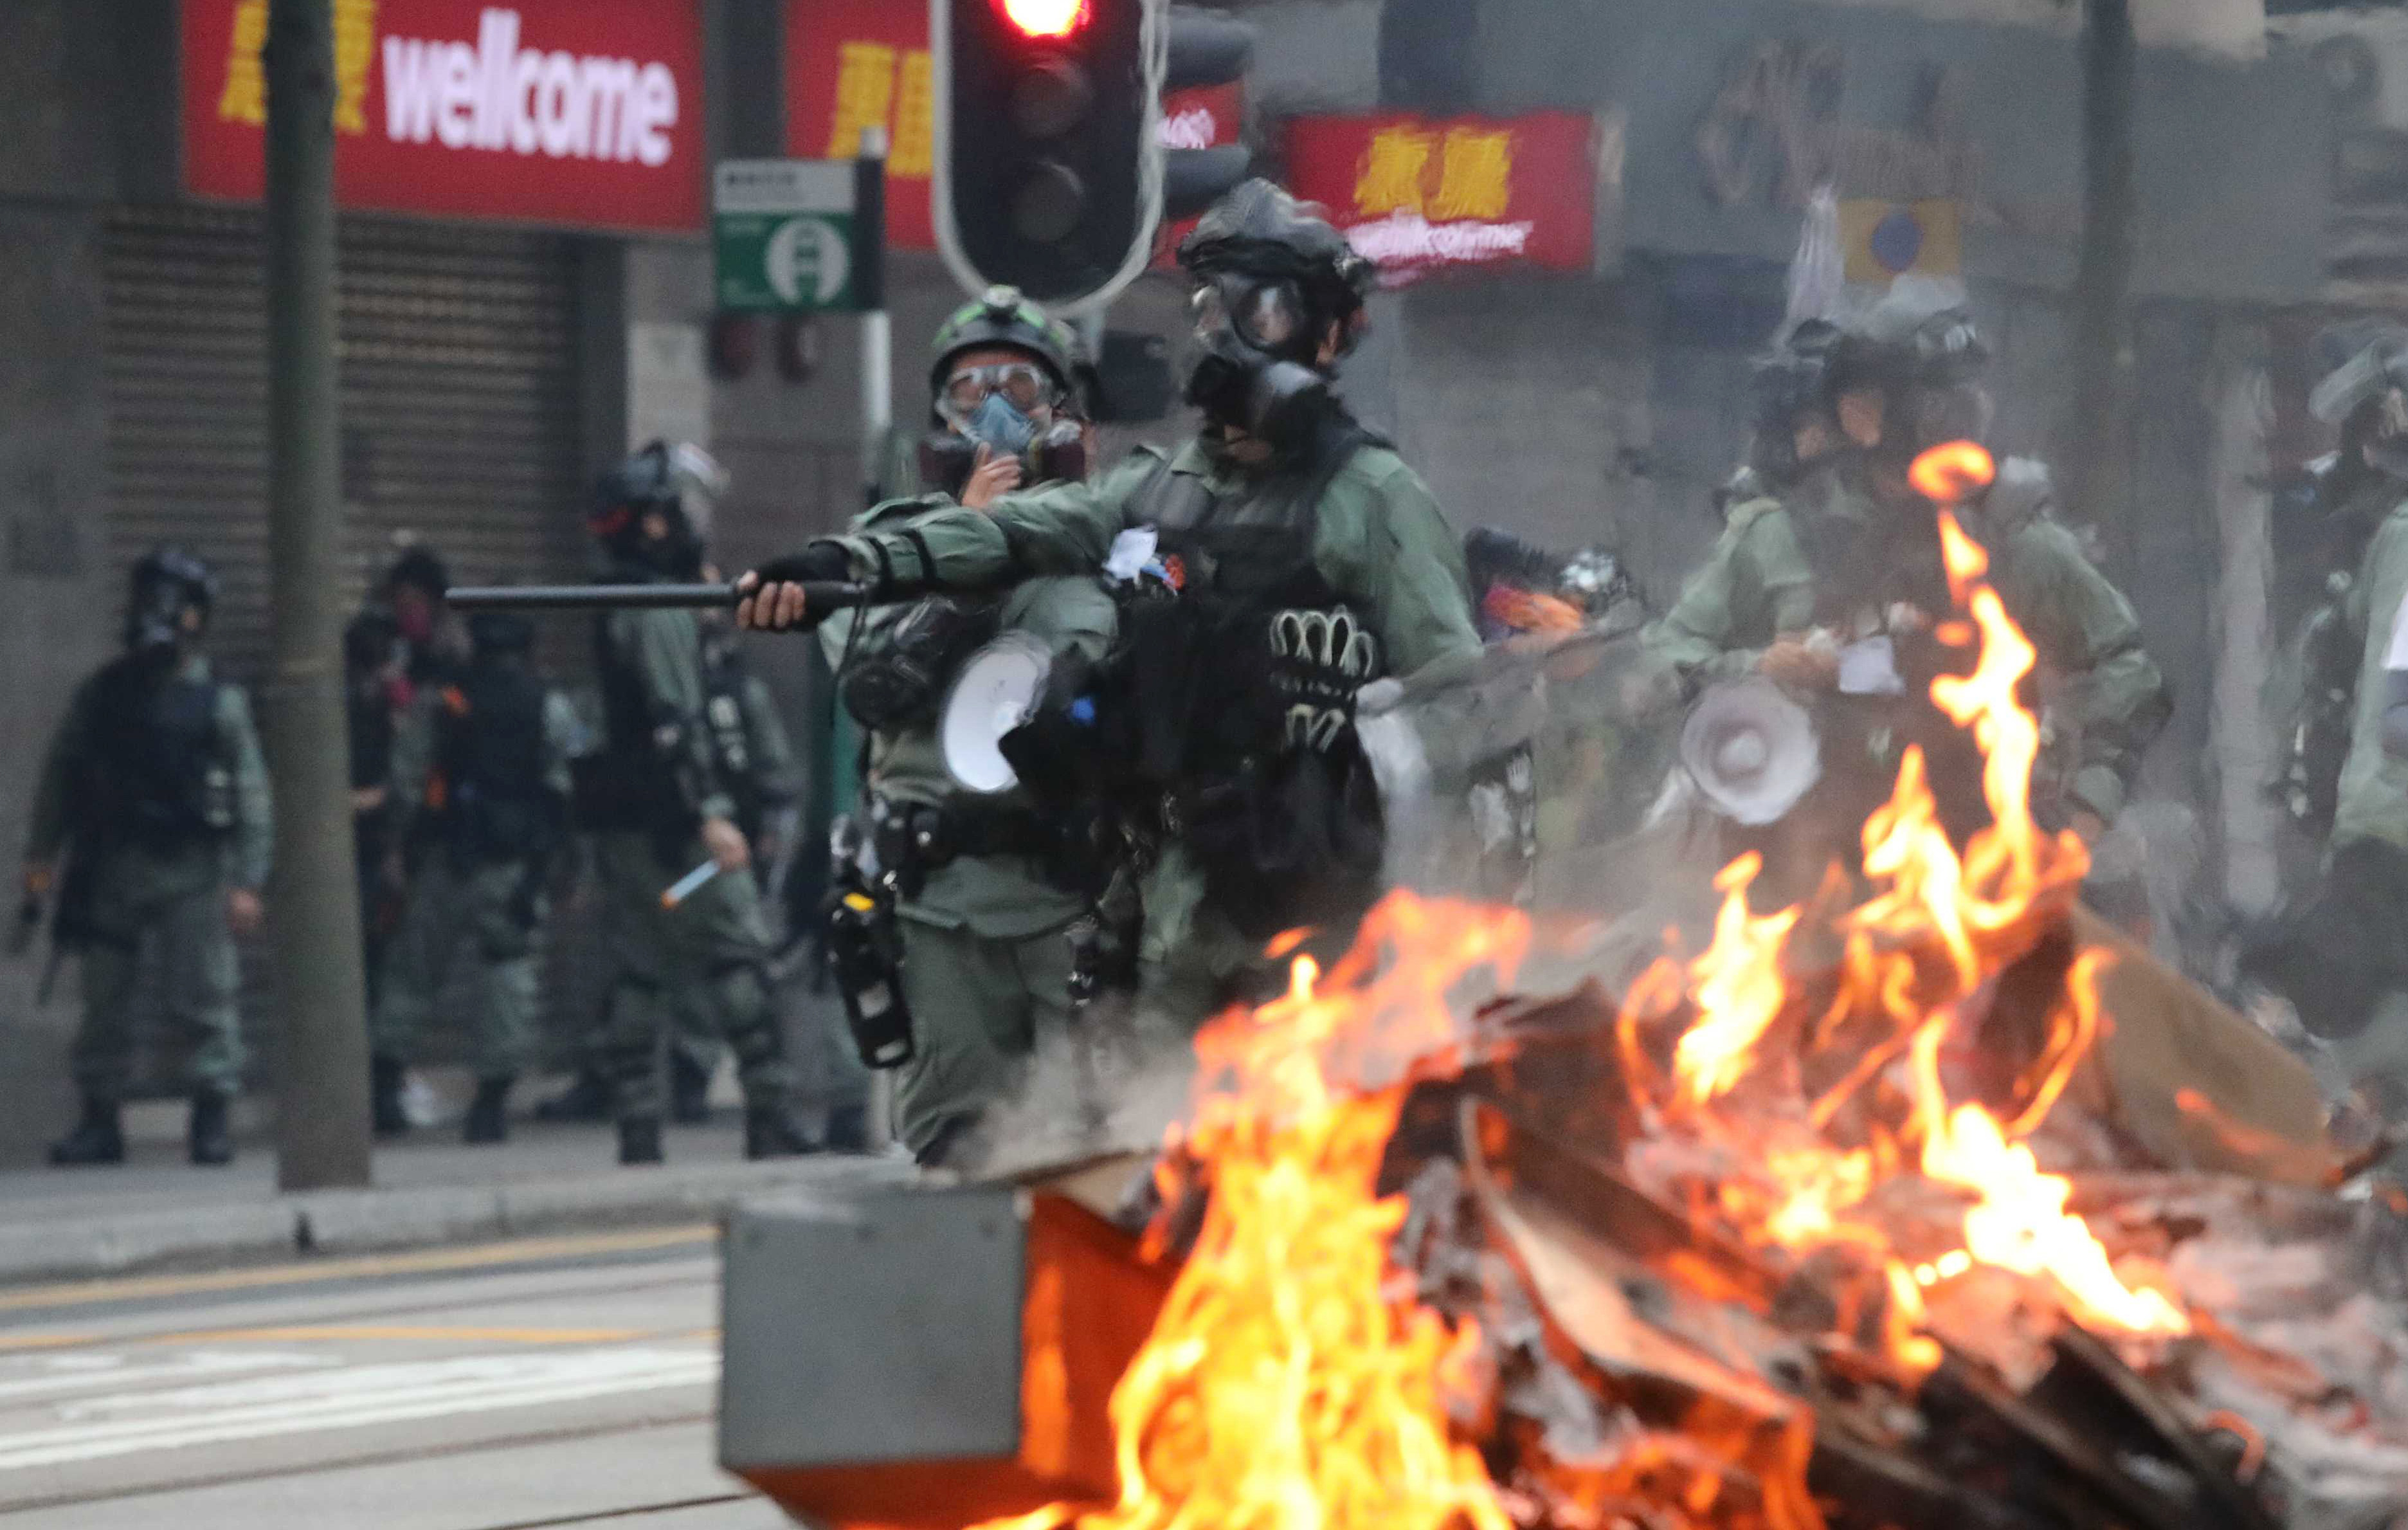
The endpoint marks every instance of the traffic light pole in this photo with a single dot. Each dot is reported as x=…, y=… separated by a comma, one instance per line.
x=322, y=1103
x=877, y=327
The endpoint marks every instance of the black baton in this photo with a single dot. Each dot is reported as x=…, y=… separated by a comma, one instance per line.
x=818, y=595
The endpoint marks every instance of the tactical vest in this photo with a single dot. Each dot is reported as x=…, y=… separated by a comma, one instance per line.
x=633, y=781
x=159, y=773
x=488, y=792
x=1243, y=690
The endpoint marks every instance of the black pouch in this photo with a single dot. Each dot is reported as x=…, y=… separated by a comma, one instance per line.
x=903, y=680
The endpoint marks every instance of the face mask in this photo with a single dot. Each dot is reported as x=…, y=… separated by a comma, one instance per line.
x=156, y=624
x=1001, y=427
x=1059, y=455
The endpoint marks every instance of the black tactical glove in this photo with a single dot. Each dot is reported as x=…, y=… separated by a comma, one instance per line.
x=822, y=562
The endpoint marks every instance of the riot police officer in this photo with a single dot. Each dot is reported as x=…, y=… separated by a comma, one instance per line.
x=661, y=811
x=481, y=784
x=756, y=761
x=155, y=791
x=1307, y=559
x=1841, y=551
x=2337, y=954
x=981, y=886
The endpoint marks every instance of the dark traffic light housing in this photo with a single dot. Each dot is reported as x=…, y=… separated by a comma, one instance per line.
x=1205, y=49
x=1048, y=176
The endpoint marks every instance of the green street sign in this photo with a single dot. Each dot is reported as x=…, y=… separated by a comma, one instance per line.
x=783, y=236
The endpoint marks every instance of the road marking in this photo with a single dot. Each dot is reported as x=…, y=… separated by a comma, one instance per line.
x=524, y=1252
x=349, y=1398
x=81, y=1373
x=339, y=1332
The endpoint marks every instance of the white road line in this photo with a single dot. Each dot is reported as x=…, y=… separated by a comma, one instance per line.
x=353, y=1398
x=58, y=1374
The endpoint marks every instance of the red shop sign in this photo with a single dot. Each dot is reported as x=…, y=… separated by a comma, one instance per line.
x=582, y=112
x=1423, y=195
x=856, y=64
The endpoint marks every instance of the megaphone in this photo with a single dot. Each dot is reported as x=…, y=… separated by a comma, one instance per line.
x=1751, y=750
x=996, y=691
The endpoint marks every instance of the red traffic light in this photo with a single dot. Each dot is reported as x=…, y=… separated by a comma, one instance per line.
x=1046, y=17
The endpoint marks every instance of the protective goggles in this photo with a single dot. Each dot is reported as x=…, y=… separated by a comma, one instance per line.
x=1266, y=315
x=1023, y=384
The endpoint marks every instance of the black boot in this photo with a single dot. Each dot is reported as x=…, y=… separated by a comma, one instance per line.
x=689, y=1089
x=586, y=1099
x=489, y=1115
x=386, y=1078
x=848, y=1130
x=772, y=1131
x=98, y=1138
x=640, y=1140
x=210, y=1142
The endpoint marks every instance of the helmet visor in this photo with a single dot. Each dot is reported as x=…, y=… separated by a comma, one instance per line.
x=1022, y=384
x=1266, y=315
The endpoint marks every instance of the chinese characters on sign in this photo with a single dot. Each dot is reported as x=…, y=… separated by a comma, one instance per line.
x=857, y=63
x=1421, y=195
x=585, y=112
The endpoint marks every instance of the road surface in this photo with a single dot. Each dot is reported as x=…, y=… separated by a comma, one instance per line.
x=551, y=1382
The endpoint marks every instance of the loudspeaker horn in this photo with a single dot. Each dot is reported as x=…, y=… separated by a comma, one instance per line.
x=1752, y=750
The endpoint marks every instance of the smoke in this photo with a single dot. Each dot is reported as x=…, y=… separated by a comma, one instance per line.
x=1109, y=1084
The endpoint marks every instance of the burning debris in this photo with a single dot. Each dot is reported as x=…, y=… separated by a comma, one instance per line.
x=1830, y=1224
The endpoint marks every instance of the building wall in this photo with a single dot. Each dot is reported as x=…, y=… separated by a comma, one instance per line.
x=62, y=82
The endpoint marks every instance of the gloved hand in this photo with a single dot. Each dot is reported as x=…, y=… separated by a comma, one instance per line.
x=773, y=593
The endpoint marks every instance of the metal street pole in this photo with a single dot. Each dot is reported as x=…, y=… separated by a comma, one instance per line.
x=876, y=331
x=2103, y=279
x=321, y=1111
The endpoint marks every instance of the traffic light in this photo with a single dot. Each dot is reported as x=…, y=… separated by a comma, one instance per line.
x=1048, y=175
x=1205, y=50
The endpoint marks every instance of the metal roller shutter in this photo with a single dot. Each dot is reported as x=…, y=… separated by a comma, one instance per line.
x=459, y=395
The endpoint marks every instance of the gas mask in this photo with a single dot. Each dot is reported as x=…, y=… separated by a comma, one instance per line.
x=1012, y=410
x=1256, y=340
x=154, y=618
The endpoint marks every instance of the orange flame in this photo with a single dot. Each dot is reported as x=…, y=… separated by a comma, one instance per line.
x=1289, y=1384
x=1918, y=947
x=1285, y=1386
x=1953, y=472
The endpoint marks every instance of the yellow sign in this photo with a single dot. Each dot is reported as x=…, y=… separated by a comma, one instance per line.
x=1885, y=240
x=245, y=98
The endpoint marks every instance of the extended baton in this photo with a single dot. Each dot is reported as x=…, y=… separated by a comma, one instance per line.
x=818, y=595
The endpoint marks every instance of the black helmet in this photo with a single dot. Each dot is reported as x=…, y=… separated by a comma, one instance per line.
x=1260, y=230
x=418, y=568
x=164, y=584
x=2366, y=395
x=677, y=482
x=1003, y=317
x=1912, y=339
x=1922, y=353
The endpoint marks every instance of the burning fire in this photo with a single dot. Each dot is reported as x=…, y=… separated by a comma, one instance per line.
x=1291, y=1384
x=1286, y=1386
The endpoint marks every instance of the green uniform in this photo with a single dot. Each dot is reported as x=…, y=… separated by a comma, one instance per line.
x=1760, y=584
x=1378, y=540
x=2336, y=954
x=170, y=895
x=987, y=956
x=756, y=760
x=458, y=897
x=713, y=950
x=2374, y=784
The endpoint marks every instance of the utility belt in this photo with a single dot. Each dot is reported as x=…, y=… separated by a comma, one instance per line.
x=915, y=840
